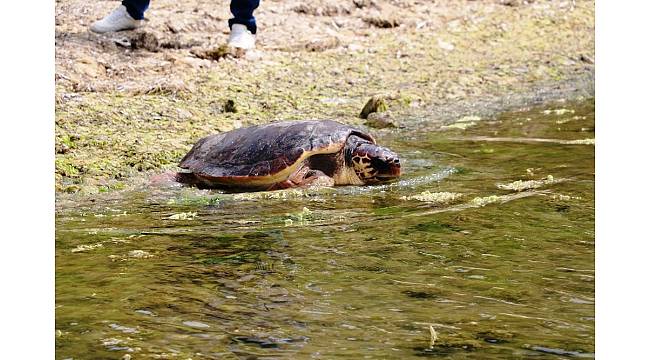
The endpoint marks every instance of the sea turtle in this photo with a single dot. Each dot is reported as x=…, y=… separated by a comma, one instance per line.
x=288, y=154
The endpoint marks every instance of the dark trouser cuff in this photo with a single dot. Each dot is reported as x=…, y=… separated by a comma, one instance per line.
x=250, y=25
x=136, y=8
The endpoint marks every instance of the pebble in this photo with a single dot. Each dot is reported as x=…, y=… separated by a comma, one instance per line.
x=196, y=324
x=445, y=45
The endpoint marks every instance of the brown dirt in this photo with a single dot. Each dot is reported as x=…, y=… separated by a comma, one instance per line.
x=136, y=101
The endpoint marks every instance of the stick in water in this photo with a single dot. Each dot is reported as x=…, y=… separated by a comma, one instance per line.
x=434, y=336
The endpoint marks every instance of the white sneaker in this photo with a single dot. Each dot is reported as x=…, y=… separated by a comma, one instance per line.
x=118, y=20
x=241, y=38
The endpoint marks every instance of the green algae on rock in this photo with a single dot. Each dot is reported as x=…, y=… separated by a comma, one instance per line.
x=375, y=104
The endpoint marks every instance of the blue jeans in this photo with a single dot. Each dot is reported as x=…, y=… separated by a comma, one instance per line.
x=242, y=11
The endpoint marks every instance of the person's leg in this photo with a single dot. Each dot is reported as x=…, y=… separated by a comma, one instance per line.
x=242, y=12
x=136, y=8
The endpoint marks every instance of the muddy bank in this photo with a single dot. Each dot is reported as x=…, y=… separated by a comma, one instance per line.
x=134, y=102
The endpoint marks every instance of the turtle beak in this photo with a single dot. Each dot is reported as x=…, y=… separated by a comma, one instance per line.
x=395, y=168
x=391, y=170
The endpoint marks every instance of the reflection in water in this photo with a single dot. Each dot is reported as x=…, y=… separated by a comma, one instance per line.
x=354, y=271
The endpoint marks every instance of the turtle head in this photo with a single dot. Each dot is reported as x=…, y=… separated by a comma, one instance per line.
x=372, y=163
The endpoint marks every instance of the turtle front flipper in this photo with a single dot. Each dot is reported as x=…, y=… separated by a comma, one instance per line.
x=317, y=178
x=305, y=177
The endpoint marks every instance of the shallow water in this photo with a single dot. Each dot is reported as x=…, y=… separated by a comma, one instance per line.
x=351, y=272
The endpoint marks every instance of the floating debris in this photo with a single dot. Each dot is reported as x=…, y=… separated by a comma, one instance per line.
x=582, y=142
x=183, y=216
x=565, y=197
x=525, y=140
x=434, y=336
x=434, y=197
x=521, y=185
x=482, y=201
x=300, y=217
x=279, y=194
x=463, y=123
x=558, y=111
x=470, y=118
x=82, y=248
x=462, y=126
x=140, y=254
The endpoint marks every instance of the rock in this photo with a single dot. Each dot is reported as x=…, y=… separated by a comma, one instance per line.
x=194, y=62
x=218, y=53
x=71, y=189
x=62, y=148
x=175, y=26
x=322, y=44
x=380, y=120
x=229, y=106
x=586, y=58
x=354, y=47
x=145, y=40
x=123, y=42
x=376, y=103
x=445, y=45
x=325, y=10
x=364, y=4
x=383, y=21
x=183, y=114
x=167, y=86
x=90, y=67
x=196, y=324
